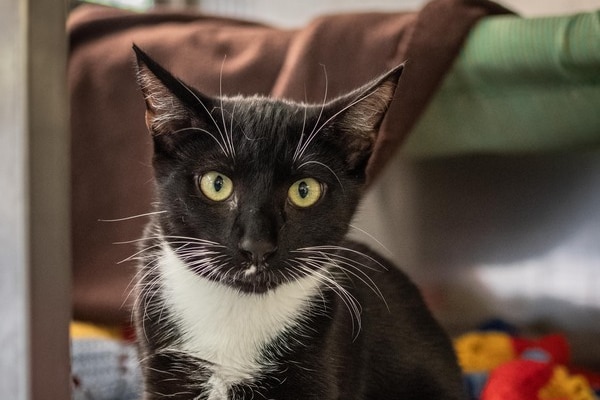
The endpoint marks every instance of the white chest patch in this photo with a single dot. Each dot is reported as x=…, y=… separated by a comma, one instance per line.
x=227, y=328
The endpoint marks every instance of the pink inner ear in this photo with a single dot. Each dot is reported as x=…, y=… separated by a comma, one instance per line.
x=149, y=118
x=363, y=110
x=165, y=112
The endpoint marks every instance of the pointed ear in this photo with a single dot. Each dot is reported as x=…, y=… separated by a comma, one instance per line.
x=358, y=115
x=169, y=101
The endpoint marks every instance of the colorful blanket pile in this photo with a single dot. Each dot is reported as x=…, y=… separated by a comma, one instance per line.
x=498, y=365
x=502, y=365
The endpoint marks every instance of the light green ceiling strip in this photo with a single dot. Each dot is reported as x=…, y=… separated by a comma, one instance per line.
x=519, y=85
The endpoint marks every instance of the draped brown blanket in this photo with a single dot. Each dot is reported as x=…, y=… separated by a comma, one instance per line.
x=111, y=150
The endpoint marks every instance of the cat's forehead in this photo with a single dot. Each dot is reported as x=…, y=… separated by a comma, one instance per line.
x=266, y=116
x=259, y=138
x=265, y=125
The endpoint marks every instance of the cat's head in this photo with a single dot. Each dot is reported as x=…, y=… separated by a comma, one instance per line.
x=255, y=191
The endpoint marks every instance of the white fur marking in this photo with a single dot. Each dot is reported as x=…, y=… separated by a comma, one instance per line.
x=218, y=388
x=250, y=271
x=228, y=328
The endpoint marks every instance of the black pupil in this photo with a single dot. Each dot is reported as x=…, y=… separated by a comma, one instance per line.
x=218, y=183
x=303, y=189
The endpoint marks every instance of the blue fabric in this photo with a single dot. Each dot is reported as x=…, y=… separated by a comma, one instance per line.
x=104, y=369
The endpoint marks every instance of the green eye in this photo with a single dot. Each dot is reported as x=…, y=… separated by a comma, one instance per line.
x=305, y=192
x=216, y=186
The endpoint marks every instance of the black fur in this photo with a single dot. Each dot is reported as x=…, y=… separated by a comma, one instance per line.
x=399, y=352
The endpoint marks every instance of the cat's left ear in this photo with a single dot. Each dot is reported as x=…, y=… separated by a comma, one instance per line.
x=358, y=115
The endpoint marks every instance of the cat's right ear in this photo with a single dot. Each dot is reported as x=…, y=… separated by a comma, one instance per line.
x=169, y=101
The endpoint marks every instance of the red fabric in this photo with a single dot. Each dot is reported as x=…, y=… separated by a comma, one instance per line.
x=517, y=380
x=555, y=345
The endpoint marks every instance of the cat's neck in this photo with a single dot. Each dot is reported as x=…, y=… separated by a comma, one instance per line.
x=225, y=327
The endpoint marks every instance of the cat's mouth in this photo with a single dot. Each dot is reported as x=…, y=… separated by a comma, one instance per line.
x=255, y=279
x=246, y=278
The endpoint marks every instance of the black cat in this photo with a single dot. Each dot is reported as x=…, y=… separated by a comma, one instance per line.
x=248, y=288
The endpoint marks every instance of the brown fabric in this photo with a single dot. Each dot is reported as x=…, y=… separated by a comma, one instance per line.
x=111, y=150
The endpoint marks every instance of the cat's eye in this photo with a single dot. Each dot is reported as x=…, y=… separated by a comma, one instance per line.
x=216, y=186
x=305, y=192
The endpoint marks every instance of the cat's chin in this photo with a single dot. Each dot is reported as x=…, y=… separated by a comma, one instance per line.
x=252, y=281
x=254, y=287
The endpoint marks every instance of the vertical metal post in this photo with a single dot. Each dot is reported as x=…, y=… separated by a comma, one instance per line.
x=34, y=210
x=13, y=210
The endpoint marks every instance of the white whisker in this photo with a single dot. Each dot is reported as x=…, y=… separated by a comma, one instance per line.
x=347, y=298
x=342, y=262
x=231, y=131
x=341, y=248
x=372, y=238
x=324, y=124
x=325, y=166
x=190, y=91
x=315, y=130
x=133, y=216
x=192, y=128
x=302, y=133
x=227, y=137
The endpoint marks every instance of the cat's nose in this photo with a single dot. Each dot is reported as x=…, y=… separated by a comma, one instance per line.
x=257, y=251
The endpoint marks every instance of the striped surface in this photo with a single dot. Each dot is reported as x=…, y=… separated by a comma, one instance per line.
x=520, y=85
